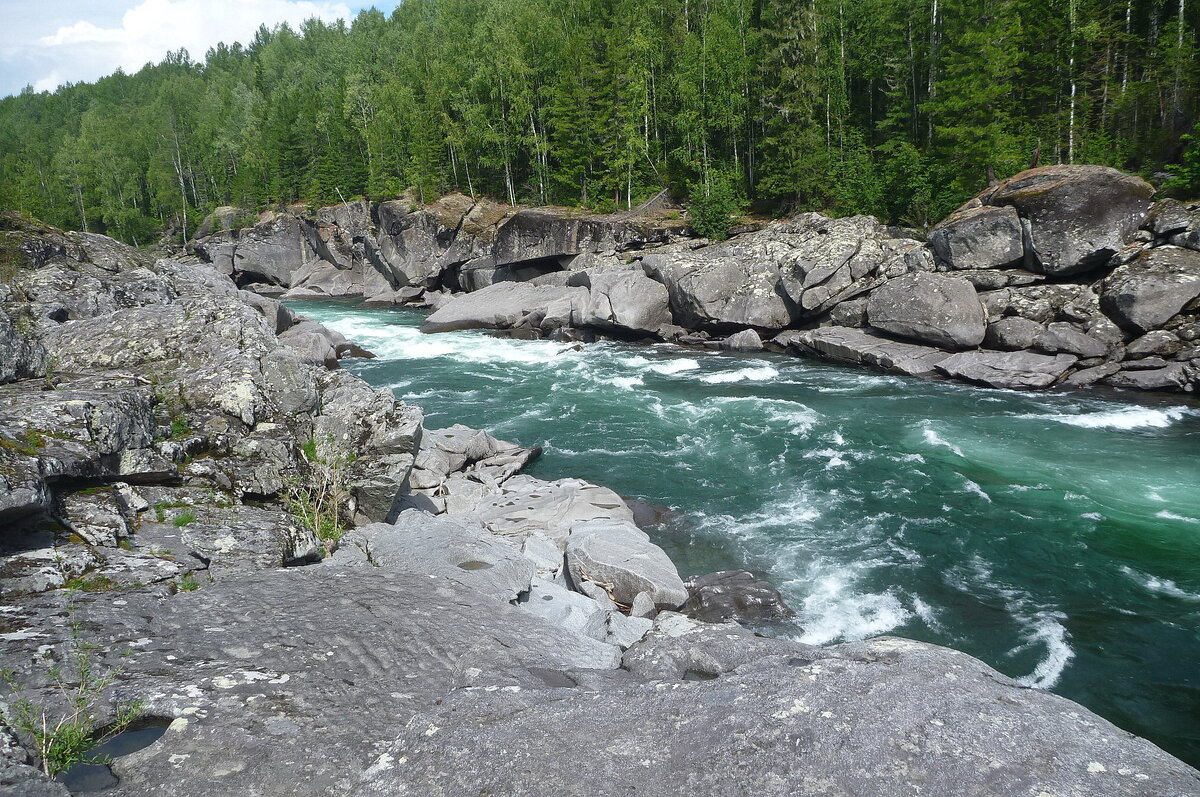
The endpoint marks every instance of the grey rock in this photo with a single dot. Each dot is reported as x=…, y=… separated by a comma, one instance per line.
x=746, y=340
x=1012, y=333
x=1020, y=370
x=861, y=714
x=21, y=356
x=625, y=300
x=511, y=305
x=1090, y=376
x=99, y=516
x=733, y=595
x=524, y=505
x=995, y=279
x=863, y=348
x=979, y=238
x=443, y=548
x=1172, y=377
x=620, y=558
x=567, y=609
x=1049, y=302
x=1063, y=337
x=851, y=313
x=1168, y=216
x=1077, y=216
x=1156, y=342
x=625, y=631
x=1148, y=292
x=931, y=308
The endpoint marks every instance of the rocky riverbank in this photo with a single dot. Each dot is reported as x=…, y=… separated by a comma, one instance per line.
x=1063, y=276
x=473, y=630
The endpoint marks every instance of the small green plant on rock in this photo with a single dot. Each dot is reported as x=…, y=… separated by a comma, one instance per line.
x=184, y=518
x=63, y=734
x=188, y=583
x=319, y=500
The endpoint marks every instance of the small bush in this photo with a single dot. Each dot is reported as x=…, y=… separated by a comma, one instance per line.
x=62, y=736
x=320, y=500
x=184, y=518
x=712, y=207
x=188, y=583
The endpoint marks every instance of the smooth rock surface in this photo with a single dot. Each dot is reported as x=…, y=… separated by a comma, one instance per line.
x=930, y=308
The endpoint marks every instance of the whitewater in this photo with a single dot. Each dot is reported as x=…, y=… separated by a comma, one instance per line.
x=1054, y=536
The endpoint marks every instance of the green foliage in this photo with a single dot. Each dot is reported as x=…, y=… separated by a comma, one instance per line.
x=29, y=443
x=184, y=518
x=713, y=207
x=64, y=731
x=1185, y=180
x=187, y=583
x=180, y=428
x=93, y=583
x=320, y=499
x=880, y=106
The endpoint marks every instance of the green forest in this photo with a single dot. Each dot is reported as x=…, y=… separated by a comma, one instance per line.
x=898, y=108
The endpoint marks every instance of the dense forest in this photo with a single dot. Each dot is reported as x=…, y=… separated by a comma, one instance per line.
x=900, y=108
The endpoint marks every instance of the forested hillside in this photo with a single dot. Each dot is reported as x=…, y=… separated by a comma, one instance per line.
x=900, y=108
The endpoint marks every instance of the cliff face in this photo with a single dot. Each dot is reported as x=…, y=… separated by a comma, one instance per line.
x=497, y=633
x=1060, y=276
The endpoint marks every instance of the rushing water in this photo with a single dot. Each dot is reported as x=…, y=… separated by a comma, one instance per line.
x=1054, y=536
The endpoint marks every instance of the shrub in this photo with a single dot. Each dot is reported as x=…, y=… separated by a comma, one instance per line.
x=712, y=207
x=184, y=518
x=321, y=499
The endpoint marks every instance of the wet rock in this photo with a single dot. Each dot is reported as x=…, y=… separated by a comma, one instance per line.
x=746, y=340
x=620, y=558
x=1145, y=294
x=733, y=595
x=979, y=238
x=1077, y=216
x=511, y=305
x=863, y=348
x=931, y=308
x=1018, y=370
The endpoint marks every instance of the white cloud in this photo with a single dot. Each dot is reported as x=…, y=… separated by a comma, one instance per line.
x=85, y=50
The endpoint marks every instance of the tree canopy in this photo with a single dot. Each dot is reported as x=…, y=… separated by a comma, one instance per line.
x=900, y=108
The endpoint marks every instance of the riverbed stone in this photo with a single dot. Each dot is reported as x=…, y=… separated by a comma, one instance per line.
x=733, y=595
x=620, y=558
x=979, y=238
x=861, y=347
x=1063, y=337
x=1012, y=333
x=1020, y=370
x=1145, y=294
x=930, y=308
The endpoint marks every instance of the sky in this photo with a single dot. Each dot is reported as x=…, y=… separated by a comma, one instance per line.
x=45, y=43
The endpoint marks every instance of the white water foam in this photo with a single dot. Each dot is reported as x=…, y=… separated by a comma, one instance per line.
x=972, y=487
x=1122, y=419
x=755, y=374
x=833, y=611
x=1161, y=586
x=1046, y=629
x=623, y=382
x=675, y=366
x=935, y=439
x=1165, y=515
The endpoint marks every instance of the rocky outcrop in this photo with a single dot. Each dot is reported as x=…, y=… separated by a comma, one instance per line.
x=1151, y=290
x=930, y=308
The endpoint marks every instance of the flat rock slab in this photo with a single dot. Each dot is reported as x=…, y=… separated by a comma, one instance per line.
x=852, y=345
x=863, y=720
x=291, y=681
x=1020, y=370
x=621, y=559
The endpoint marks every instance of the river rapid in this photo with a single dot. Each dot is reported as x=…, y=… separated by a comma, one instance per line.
x=1054, y=536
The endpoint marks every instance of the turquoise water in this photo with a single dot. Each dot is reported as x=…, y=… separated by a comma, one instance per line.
x=1054, y=536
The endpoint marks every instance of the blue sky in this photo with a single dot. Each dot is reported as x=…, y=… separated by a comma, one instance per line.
x=45, y=43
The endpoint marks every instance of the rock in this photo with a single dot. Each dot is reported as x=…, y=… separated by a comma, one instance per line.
x=524, y=505
x=511, y=305
x=1077, y=217
x=931, y=308
x=97, y=515
x=1019, y=370
x=1155, y=342
x=862, y=348
x=1172, y=377
x=1090, y=376
x=445, y=549
x=21, y=356
x=1063, y=337
x=1148, y=292
x=851, y=313
x=570, y=610
x=994, y=279
x=622, y=300
x=627, y=631
x=1049, y=302
x=620, y=558
x=846, y=711
x=1168, y=216
x=720, y=290
x=733, y=595
x=1012, y=333
x=483, y=462
x=979, y=238
x=746, y=340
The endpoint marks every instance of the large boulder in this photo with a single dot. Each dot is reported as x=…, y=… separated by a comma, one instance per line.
x=932, y=308
x=1019, y=370
x=1145, y=294
x=624, y=300
x=511, y=305
x=979, y=238
x=857, y=346
x=1075, y=217
x=620, y=558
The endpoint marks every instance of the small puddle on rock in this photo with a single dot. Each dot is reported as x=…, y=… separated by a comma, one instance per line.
x=475, y=565
x=698, y=675
x=98, y=777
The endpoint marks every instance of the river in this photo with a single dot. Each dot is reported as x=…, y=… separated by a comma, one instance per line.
x=1054, y=536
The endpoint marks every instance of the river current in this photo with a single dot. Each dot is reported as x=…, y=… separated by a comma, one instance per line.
x=1054, y=536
